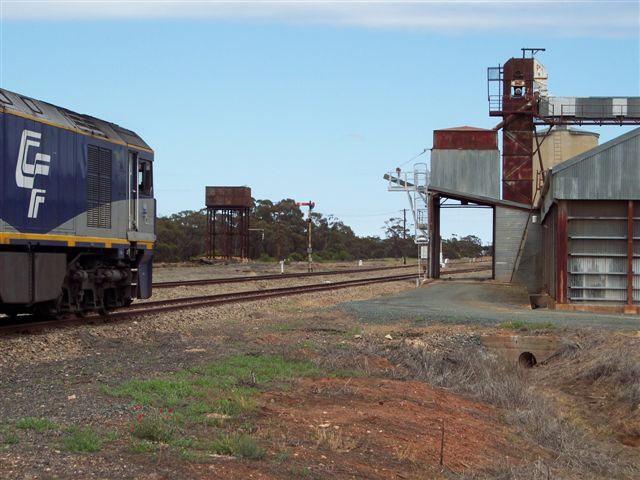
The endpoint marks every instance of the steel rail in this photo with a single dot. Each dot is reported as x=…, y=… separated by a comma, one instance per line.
x=31, y=324
x=160, y=306
x=276, y=276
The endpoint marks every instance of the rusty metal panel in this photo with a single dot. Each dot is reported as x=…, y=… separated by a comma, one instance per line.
x=518, y=108
x=475, y=172
x=509, y=225
x=517, y=70
x=517, y=166
x=467, y=138
x=228, y=197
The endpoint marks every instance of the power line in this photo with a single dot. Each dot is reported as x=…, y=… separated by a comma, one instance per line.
x=413, y=158
x=338, y=215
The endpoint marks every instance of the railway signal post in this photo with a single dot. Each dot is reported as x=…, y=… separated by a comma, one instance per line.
x=311, y=205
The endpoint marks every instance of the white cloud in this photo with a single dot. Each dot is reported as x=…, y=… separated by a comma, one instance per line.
x=551, y=17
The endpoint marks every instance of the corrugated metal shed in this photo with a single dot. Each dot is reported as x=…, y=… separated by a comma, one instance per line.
x=590, y=222
x=608, y=172
x=466, y=159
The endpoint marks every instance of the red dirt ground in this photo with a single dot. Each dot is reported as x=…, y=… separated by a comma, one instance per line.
x=372, y=428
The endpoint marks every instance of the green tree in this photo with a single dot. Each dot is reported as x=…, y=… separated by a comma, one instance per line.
x=400, y=241
x=181, y=236
x=469, y=246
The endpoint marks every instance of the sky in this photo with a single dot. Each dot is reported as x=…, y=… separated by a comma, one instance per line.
x=309, y=100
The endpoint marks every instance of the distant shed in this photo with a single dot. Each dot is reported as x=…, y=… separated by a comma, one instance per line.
x=590, y=219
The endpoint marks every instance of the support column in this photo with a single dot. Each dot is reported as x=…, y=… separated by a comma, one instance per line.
x=434, y=235
x=493, y=244
x=630, y=253
x=517, y=165
x=562, y=252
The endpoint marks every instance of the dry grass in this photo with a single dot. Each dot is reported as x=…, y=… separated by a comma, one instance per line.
x=618, y=369
x=334, y=439
x=406, y=453
x=484, y=377
x=537, y=470
x=470, y=371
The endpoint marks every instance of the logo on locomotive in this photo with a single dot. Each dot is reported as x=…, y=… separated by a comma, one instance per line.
x=26, y=172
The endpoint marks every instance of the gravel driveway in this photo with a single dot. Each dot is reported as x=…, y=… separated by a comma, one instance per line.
x=483, y=303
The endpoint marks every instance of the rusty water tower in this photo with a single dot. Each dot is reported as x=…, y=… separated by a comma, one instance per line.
x=228, y=210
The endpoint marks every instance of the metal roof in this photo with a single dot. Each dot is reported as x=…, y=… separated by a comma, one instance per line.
x=44, y=112
x=478, y=199
x=610, y=171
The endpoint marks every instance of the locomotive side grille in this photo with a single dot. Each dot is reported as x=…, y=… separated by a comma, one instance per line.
x=93, y=188
x=99, y=187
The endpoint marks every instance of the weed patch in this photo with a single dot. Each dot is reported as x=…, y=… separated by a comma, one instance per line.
x=154, y=426
x=216, y=394
x=242, y=446
x=83, y=441
x=240, y=374
x=9, y=437
x=142, y=446
x=527, y=326
x=36, y=423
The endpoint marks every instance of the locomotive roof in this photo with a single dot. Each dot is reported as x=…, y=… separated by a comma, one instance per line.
x=44, y=112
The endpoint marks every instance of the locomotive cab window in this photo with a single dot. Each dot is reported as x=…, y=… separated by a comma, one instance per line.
x=145, y=178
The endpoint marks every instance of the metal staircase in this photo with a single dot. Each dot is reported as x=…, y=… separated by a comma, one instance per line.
x=414, y=183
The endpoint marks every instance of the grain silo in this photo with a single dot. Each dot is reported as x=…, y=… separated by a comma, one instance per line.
x=562, y=143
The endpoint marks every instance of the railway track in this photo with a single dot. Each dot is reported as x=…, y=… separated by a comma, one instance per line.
x=286, y=276
x=32, y=325
x=160, y=306
x=278, y=276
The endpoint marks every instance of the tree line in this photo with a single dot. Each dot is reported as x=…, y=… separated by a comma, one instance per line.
x=279, y=231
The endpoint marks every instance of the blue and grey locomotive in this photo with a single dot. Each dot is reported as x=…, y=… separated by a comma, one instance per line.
x=77, y=211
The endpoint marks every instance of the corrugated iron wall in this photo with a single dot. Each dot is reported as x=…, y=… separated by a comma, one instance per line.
x=528, y=268
x=609, y=172
x=509, y=227
x=475, y=172
x=597, y=265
